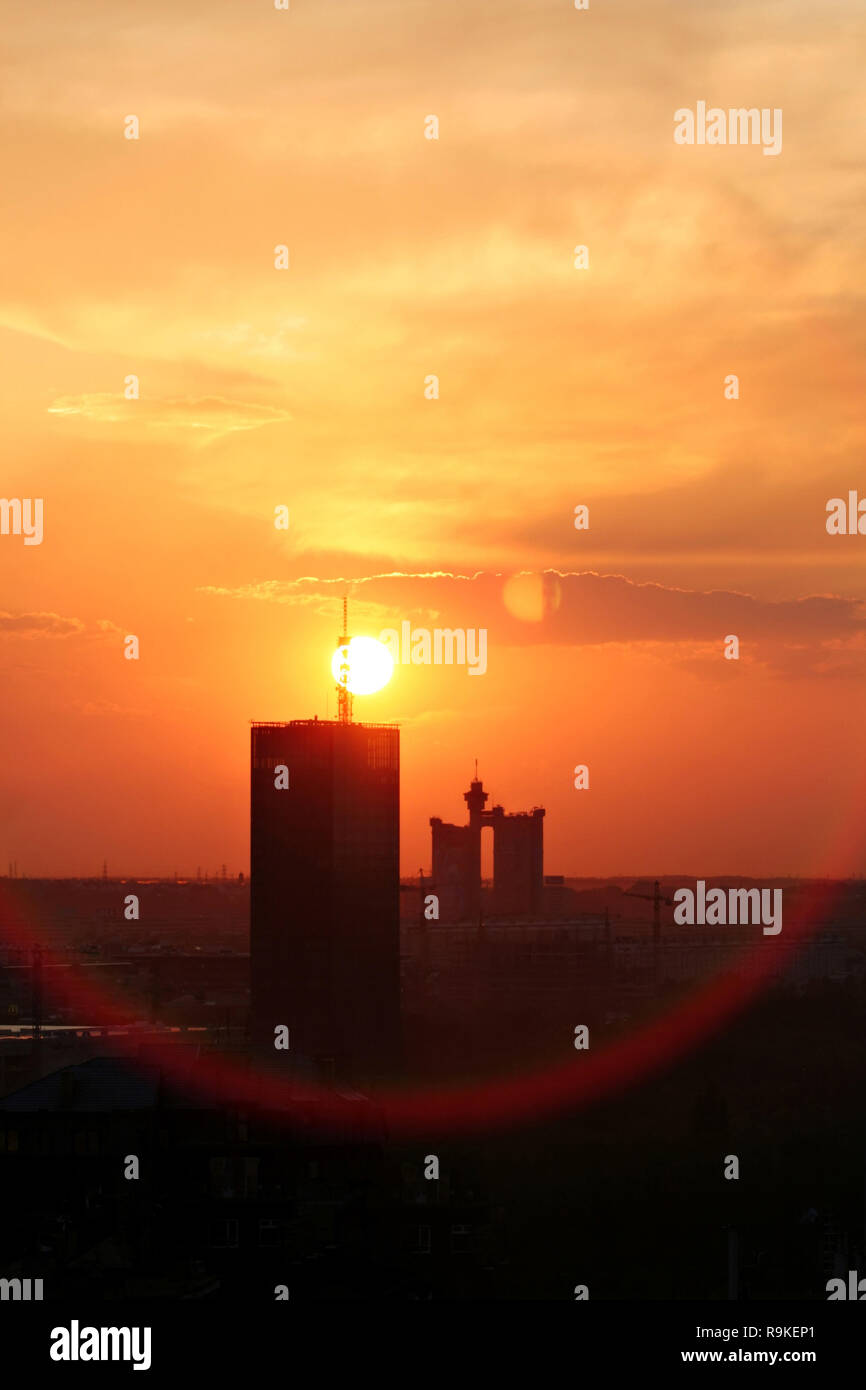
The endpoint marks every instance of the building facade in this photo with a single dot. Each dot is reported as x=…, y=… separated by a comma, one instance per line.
x=518, y=860
x=325, y=895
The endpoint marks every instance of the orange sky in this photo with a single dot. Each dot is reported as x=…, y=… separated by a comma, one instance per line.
x=305, y=388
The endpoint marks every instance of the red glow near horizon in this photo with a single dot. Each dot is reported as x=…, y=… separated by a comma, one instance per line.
x=459, y=1108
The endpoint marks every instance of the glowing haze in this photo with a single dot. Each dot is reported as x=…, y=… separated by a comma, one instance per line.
x=305, y=389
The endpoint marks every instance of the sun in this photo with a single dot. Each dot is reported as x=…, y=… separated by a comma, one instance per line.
x=367, y=662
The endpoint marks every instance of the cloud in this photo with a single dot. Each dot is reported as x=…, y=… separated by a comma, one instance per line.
x=39, y=625
x=213, y=415
x=102, y=709
x=582, y=609
x=248, y=340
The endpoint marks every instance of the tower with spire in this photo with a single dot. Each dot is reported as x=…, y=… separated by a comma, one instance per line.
x=518, y=859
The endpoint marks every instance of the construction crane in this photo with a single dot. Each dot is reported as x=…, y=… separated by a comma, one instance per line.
x=344, y=695
x=655, y=897
x=36, y=1005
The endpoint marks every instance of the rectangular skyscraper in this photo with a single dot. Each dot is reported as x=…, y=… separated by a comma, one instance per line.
x=325, y=893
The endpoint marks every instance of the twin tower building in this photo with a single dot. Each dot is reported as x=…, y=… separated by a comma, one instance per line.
x=325, y=890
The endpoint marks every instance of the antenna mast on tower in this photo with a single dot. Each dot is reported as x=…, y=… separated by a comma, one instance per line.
x=344, y=695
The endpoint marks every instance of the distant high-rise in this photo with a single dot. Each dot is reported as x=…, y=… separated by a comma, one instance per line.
x=518, y=860
x=325, y=893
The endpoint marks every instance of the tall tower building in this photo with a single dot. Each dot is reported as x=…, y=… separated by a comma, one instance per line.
x=325, y=894
x=518, y=860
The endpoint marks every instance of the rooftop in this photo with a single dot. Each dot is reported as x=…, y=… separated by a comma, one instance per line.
x=313, y=723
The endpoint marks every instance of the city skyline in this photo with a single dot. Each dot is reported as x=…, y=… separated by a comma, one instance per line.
x=421, y=857
x=432, y=625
